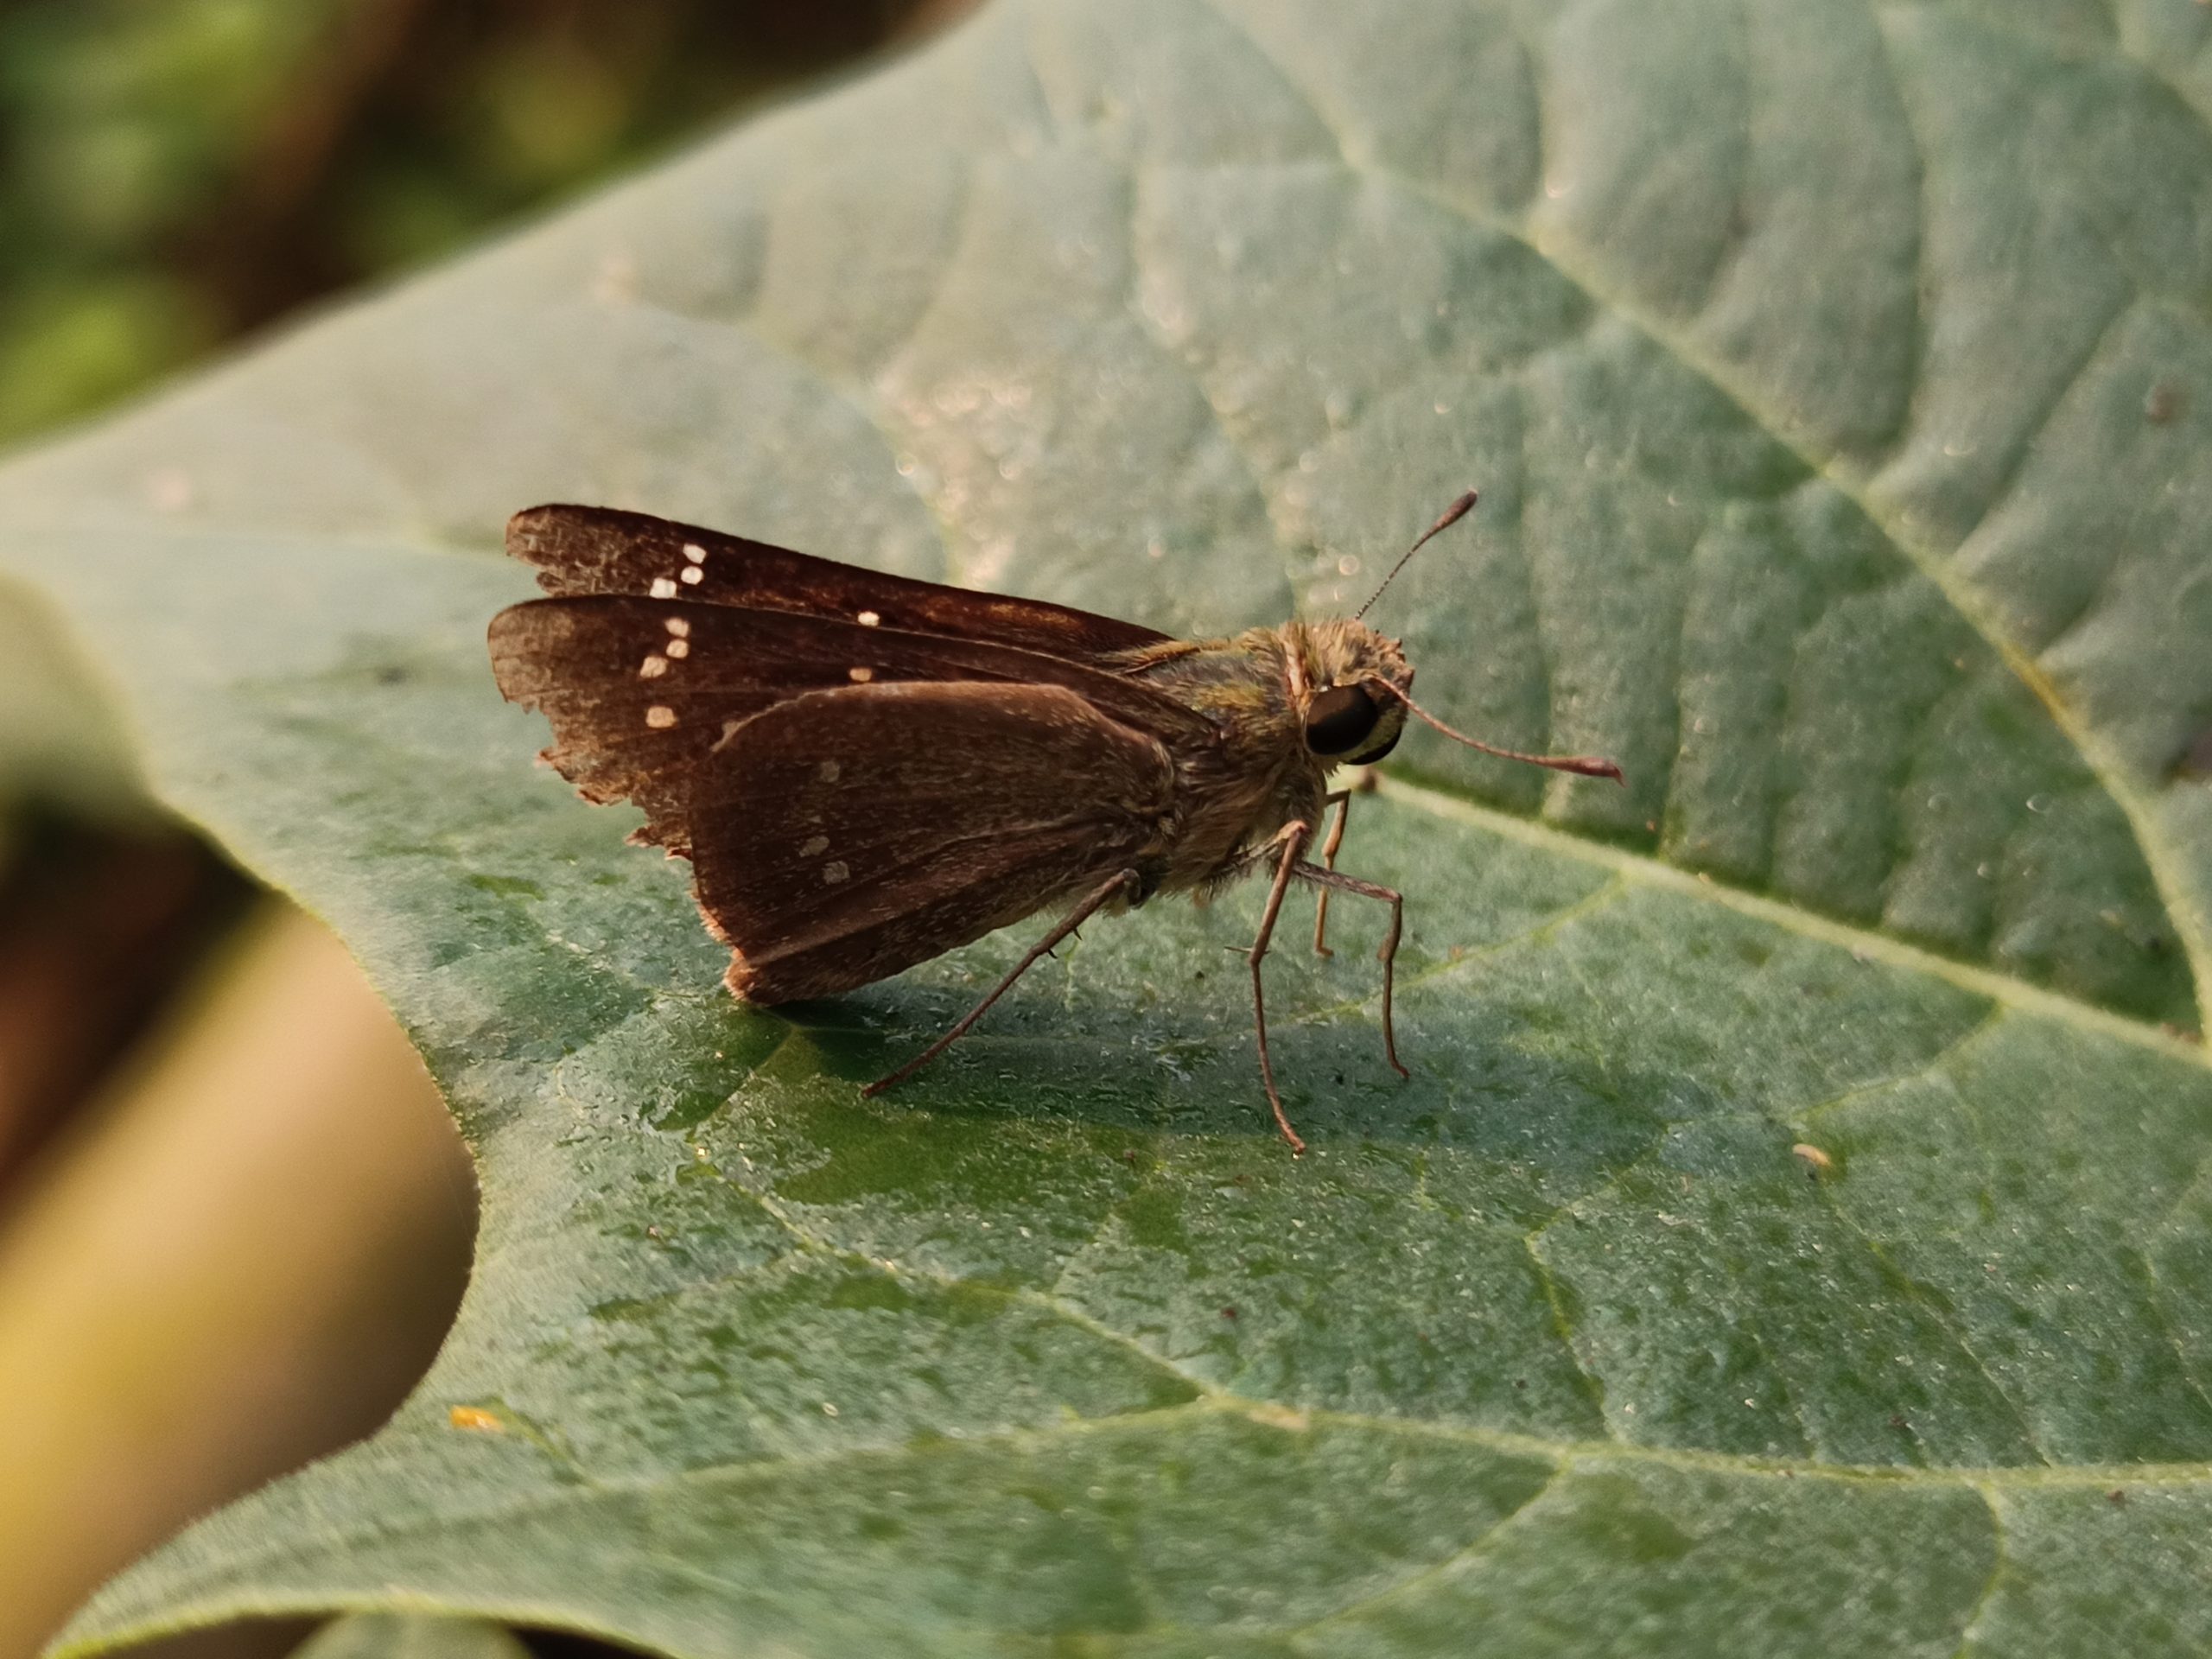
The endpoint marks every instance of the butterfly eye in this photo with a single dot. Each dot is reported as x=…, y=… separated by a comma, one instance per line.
x=1339, y=719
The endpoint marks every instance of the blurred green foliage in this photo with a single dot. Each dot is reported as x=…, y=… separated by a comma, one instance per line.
x=174, y=172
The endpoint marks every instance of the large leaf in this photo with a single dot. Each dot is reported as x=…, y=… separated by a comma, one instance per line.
x=1840, y=384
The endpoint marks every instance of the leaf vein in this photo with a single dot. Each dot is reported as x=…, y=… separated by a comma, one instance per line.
x=1452, y=1565
x=1999, y=1561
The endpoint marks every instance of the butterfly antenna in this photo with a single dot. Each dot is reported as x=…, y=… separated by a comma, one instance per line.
x=1451, y=515
x=1589, y=765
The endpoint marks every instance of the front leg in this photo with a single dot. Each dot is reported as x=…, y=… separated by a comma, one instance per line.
x=1318, y=876
x=1292, y=838
x=1341, y=799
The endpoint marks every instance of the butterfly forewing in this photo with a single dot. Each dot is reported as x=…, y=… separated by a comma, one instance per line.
x=846, y=835
x=583, y=550
x=641, y=690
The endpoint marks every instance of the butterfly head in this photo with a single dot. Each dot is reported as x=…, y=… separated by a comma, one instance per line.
x=1352, y=704
x=1353, y=690
x=1351, y=684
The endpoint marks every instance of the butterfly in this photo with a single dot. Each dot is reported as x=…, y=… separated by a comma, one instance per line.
x=867, y=771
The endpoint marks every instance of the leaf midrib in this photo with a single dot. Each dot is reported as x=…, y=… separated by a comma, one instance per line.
x=1640, y=869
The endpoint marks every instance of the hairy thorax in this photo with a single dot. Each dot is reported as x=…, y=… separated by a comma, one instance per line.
x=1234, y=796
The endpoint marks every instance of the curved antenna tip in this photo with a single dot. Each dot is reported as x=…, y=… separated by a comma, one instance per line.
x=1586, y=766
x=1450, y=516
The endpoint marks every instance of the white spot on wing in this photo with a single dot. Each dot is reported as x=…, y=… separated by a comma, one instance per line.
x=815, y=847
x=869, y=618
x=679, y=647
x=690, y=574
x=652, y=668
x=829, y=770
x=663, y=588
x=660, y=717
x=860, y=676
x=680, y=628
x=693, y=552
x=835, y=871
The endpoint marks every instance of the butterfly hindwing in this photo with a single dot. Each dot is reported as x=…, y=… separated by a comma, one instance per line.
x=586, y=550
x=850, y=833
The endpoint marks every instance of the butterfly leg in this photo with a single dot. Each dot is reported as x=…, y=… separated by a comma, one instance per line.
x=1292, y=838
x=1319, y=876
x=1120, y=884
x=1341, y=799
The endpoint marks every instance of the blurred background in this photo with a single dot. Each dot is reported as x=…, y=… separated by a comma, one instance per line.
x=235, y=1220
x=173, y=173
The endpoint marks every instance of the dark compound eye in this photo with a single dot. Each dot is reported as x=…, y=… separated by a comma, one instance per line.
x=1339, y=719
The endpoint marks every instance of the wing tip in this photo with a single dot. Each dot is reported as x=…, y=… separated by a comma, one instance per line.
x=527, y=530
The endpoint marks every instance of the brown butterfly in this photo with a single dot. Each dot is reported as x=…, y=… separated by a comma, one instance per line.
x=867, y=771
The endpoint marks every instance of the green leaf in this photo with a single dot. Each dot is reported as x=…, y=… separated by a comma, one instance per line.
x=1840, y=386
